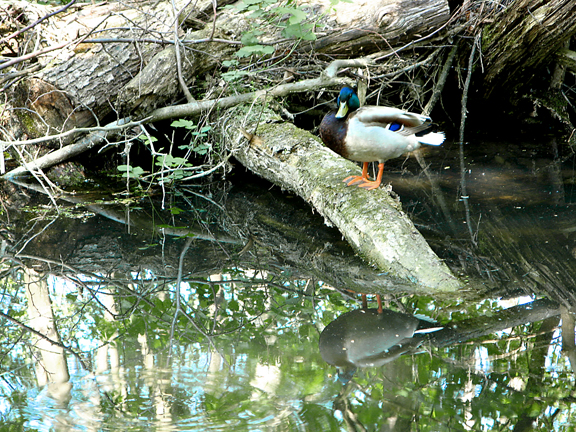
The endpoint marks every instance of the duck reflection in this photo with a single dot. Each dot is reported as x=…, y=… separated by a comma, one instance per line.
x=370, y=337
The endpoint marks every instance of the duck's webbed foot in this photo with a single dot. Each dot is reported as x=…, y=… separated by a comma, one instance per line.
x=370, y=184
x=362, y=181
x=358, y=179
x=354, y=179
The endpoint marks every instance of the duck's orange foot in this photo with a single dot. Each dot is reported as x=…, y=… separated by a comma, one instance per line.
x=353, y=180
x=369, y=184
x=361, y=182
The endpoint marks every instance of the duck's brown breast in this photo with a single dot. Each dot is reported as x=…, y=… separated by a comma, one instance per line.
x=333, y=133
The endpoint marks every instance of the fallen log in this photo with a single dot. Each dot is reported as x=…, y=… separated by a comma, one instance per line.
x=567, y=58
x=143, y=91
x=365, y=26
x=371, y=221
x=76, y=82
x=521, y=40
x=98, y=60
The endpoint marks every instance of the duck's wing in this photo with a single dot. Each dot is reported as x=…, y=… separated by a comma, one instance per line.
x=397, y=120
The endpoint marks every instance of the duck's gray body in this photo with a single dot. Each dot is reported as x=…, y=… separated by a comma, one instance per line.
x=366, y=337
x=370, y=139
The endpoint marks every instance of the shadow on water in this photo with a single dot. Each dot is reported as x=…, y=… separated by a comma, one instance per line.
x=203, y=308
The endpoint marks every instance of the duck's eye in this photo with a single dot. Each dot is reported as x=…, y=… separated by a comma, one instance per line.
x=395, y=127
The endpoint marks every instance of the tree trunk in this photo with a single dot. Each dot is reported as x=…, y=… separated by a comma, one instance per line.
x=362, y=27
x=521, y=39
x=76, y=84
x=52, y=367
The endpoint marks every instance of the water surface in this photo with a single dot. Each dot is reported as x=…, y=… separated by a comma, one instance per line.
x=202, y=309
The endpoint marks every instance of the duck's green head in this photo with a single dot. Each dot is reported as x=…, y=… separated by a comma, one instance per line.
x=347, y=102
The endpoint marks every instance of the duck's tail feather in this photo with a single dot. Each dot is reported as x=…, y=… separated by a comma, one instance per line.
x=426, y=325
x=427, y=330
x=432, y=138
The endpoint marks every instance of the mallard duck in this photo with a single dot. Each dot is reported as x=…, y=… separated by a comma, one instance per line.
x=371, y=337
x=373, y=133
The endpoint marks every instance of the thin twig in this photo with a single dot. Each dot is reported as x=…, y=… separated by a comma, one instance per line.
x=177, y=291
x=214, y=16
x=114, y=126
x=463, y=114
x=441, y=81
x=20, y=59
x=436, y=190
x=183, y=85
x=424, y=62
x=184, y=42
x=34, y=24
x=43, y=336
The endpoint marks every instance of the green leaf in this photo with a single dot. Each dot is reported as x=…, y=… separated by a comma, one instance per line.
x=256, y=12
x=247, y=51
x=232, y=76
x=299, y=31
x=170, y=161
x=137, y=172
x=297, y=15
x=250, y=38
x=202, y=149
x=188, y=124
x=130, y=172
x=146, y=139
x=71, y=297
x=230, y=63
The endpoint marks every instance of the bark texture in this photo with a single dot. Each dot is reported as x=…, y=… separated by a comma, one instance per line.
x=567, y=58
x=364, y=26
x=521, y=39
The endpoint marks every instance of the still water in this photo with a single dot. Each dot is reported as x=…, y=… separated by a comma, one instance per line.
x=203, y=308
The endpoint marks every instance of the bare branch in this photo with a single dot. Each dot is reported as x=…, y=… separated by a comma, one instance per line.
x=98, y=136
x=114, y=126
x=198, y=107
x=34, y=24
